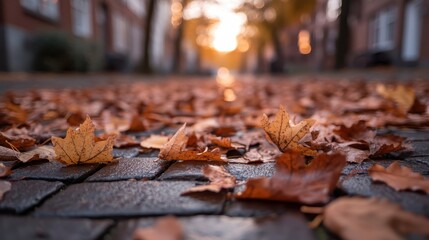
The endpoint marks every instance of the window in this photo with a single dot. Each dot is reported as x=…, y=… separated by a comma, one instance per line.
x=81, y=13
x=382, y=29
x=45, y=8
x=333, y=10
x=120, y=30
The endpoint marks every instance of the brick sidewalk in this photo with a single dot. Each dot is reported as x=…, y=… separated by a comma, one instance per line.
x=50, y=201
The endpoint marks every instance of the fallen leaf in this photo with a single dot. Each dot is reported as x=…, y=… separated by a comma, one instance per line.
x=294, y=181
x=386, y=144
x=4, y=171
x=19, y=139
x=38, y=153
x=358, y=131
x=5, y=186
x=399, y=177
x=79, y=146
x=7, y=154
x=355, y=218
x=122, y=141
x=403, y=96
x=285, y=135
x=219, y=179
x=352, y=152
x=165, y=228
x=154, y=141
x=174, y=149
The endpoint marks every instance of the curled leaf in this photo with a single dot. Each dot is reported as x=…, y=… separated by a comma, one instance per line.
x=371, y=219
x=219, y=179
x=294, y=181
x=285, y=135
x=174, y=149
x=154, y=141
x=399, y=177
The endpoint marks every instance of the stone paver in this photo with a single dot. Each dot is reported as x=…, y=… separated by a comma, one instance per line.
x=288, y=226
x=26, y=194
x=16, y=228
x=362, y=185
x=246, y=171
x=256, y=208
x=187, y=170
x=125, y=152
x=132, y=168
x=410, y=134
x=54, y=171
x=420, y=148
x=10, y=164
x=130, y=198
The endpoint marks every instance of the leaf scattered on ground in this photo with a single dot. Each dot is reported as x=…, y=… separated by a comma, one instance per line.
x=154, y=141
x=80, y=146
x=399, y=177
x=165, y=228
x=38, y=153
x=372, y=219
x=219, y=179
x=294, y=181
x=285, y=135
x=175, y=149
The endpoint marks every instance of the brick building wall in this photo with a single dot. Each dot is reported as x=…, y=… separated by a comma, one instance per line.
x=384, y=26
x=116, y=26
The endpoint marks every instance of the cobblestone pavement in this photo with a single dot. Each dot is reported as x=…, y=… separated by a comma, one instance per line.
x=51, y=201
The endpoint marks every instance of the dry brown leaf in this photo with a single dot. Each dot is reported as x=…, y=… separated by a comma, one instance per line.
x=386, y=144
x=7, y=154
x=123, y=141
x=165, y=228
x=372, y=219
x=294, y=181
x=17, y=138
x=358, y=131
x=80, y=146
x=174, y=149
x=42, y=152
x=38, y=153
x=154, y=141
x=353, y=153
x=403, y=96
x=285, y=135
x=5, y=186
x=219, y=178
x=4, y=171
x=399, y=177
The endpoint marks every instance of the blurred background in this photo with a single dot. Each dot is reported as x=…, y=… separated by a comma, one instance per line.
x=201, y=36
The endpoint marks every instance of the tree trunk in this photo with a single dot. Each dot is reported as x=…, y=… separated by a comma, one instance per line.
x=146, y=64
x=342, y=43
x=277, y=64
x=177, y=54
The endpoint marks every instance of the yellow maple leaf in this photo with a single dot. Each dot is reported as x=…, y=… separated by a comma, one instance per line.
x=285, y=135
x=80, y=146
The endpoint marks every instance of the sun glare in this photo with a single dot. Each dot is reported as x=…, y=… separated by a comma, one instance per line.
x=224, y=34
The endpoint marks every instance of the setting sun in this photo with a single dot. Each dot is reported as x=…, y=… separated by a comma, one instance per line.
x=225, y=32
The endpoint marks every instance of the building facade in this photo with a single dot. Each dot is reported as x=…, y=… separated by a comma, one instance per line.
x=382, y=32
x=113, y=27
